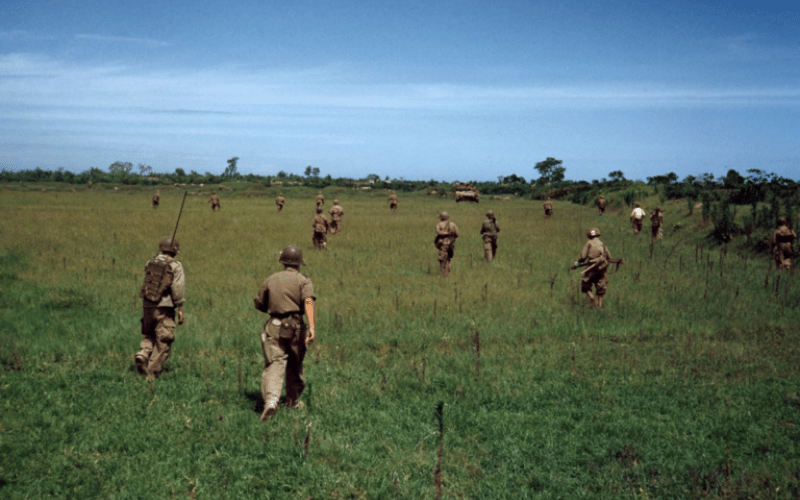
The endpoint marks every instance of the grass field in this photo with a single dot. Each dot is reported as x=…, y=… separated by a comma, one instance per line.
x=496, y=382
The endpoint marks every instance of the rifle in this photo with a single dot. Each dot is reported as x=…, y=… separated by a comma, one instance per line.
x=172, y=241
x=618, y=262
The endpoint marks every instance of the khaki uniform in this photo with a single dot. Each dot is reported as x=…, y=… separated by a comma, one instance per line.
x=636, y=219
x=393, y=202
x=548, y=208
x=781, y=245
x=601, y=205
x=595, y=272
x=446, y=234
x=280, y=200
x=657, y=227
x=320, y=236
x=214, y=200
x=320, y=200
x=489, y=230
x=158, y=322
x=336, y=212
x=156, y=199
x=283, y=341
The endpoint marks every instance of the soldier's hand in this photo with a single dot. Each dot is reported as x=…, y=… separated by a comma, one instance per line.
x=311, y=337
x=181, y=317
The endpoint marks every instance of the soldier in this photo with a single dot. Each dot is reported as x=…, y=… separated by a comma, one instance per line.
x=489, y=231
x=446, y=234
x=594, y=273
x=280, y=200
x=636, y=218
x=657, y=221
x=781, y=244
x=320, y=200
x=320, y=225
x=336, y=212
x=548, y=208
x=285, y=296
x=214, y=200
x=156, y=198
x=393, y=202
x=601, y=205
x=162, y=293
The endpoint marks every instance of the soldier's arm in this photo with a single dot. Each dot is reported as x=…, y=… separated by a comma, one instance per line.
x=309, y=305
x=176, y=289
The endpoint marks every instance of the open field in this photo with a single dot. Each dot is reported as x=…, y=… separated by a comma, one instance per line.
x=684, y=386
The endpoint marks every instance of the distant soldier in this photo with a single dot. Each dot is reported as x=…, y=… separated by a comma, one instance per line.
x=214, y=200
x=657, y=223
x=548, y=208
x=336, y=212
x=446, y=234
x=601, y=205
x=489, y=230
x=280, y=200
x=320, y=225
x=285, y=296
x=320, y=200
x=393, y=202
x=636, y=218
x=162, y=293
x=156, y=198
x=598, y=258
x=781, y=244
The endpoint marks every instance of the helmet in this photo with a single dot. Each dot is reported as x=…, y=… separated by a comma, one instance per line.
x=291, y=256
x=168, y=245
x=490, y=214
x=443, y=216
x=335, y=202
x=592, y=233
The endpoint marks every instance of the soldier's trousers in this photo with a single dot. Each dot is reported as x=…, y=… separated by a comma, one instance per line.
x=320, y=240
x=158, y=329
x=445, y=255
x=335, y=226
x=489, y=247
x=283, y=357
x=637, y=226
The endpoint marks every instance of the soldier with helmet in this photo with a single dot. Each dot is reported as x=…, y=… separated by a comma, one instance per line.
x=601, y=205
x=162, y=293
x=489, y=230
x=285, y=296
x=320, y=200
x=336, y=212
x=280, y=200
x=781, y=244
x=393, y=202
x=597, y=256
x=636, y=218
x=156, y=198
x=548, y=208
x=320, y=225
x=214, y=200
x=445, y=242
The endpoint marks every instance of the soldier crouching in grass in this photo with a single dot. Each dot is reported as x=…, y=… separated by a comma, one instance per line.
x=162, y=293
x=598, y=258
x=285, y=296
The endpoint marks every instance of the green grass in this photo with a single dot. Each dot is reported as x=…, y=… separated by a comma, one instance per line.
x=684, y=386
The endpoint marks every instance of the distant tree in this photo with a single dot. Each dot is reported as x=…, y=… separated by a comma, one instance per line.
x=231, y=171
x=373, y=177
x=281, y=174
x=307, y=172
x=145, y=170
x=662, y=179
x=315, y=172
x=512, y=179
x=732, y=180
x=550, y=171
x=120, y=167
x=617, y=176
x=180, y=173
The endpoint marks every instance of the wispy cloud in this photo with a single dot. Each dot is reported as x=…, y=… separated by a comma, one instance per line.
x=122, y=39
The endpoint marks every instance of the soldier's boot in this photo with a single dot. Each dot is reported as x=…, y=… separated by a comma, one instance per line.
x=141, y=363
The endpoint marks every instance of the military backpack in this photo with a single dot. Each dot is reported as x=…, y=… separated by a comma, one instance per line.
x=158, y=277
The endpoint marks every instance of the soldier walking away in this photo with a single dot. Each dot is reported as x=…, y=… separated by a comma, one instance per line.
x=445, y=242
x=285, y=296
x=597, y=257
x=320, y=226
x=657, y=221
x=636, y=218
x=156, y=198
x=280, y=200
x=336, y=212
x=162, y=294
x=393, y=202
x=781, y=245
x=489, y=230
x=214, y=200
x=601, y=205
x=320, y=200
x=548, y=208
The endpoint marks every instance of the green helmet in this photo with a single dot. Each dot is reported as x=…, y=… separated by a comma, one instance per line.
x=168, y=245
x=291, y=256
x=490, y=214
x=444, y=216
x=593, y=233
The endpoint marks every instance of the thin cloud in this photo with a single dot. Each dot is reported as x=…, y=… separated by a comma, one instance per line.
x=123, y=39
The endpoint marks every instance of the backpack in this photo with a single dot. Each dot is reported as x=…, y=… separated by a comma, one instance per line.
x=158, y=276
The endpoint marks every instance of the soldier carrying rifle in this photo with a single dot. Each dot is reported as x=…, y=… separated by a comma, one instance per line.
x=594, y=259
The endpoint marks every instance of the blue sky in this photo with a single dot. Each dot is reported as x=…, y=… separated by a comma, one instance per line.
x=444, y=90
